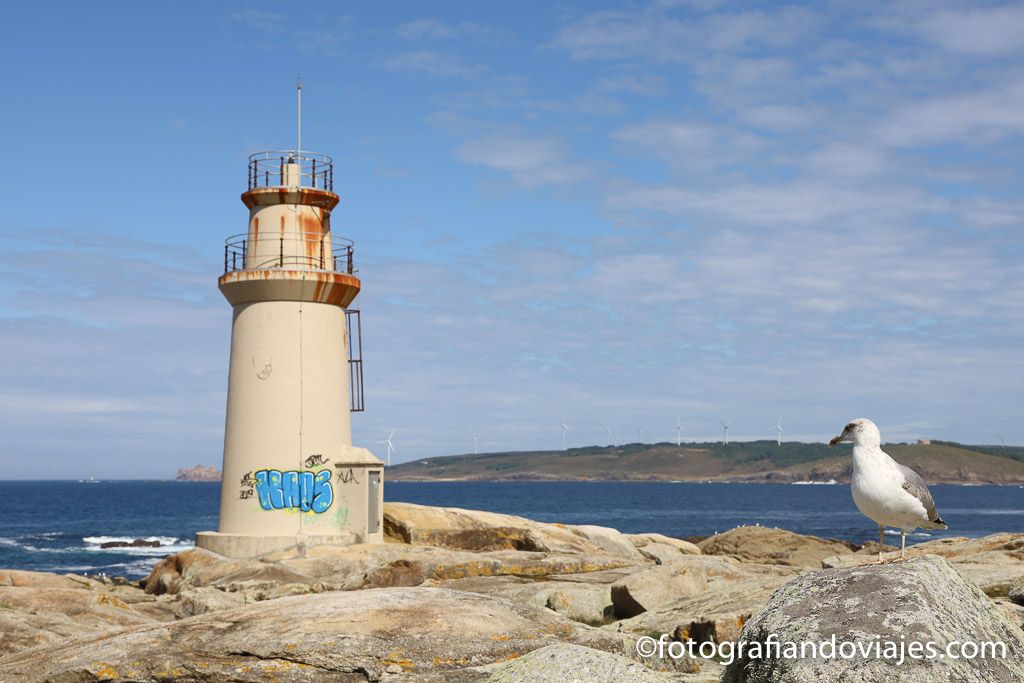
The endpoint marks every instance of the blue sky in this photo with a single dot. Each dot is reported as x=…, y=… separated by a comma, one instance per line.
x=626, y=213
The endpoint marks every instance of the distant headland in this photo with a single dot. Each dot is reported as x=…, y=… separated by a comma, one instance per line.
x=749, y=461
x=198, y=473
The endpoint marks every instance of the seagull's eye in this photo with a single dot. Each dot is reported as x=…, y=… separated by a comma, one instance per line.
x=850, y=427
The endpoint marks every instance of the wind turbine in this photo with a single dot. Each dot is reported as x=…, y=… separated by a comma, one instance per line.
x=565, y=428
x=391, y=446
x=725, y=432
x=608, y=441
x=679, y=432
x=640, y=431
x=476, y=443
x=778, y=429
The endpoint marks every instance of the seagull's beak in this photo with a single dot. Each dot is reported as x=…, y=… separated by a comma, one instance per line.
x=836, y=439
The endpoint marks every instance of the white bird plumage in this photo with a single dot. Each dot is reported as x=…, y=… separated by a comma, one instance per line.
x=885, y=491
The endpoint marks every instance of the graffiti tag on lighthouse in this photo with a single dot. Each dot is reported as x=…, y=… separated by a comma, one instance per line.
x=306, y=491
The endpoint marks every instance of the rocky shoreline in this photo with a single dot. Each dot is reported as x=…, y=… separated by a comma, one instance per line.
x=462, y=595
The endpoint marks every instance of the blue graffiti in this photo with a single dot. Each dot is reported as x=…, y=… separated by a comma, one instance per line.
x=306, y=491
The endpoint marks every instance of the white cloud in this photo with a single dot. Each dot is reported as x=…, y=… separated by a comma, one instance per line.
x=432, y=29
x=278, y=31
x=532, y=161
x=436, y=64
x=987, y=31
x=692, y=144
x=657, y=35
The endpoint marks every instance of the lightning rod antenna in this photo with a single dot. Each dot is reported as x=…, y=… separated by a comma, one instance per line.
x=298, y=89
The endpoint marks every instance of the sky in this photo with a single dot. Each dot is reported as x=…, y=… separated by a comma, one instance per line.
x=627, y=214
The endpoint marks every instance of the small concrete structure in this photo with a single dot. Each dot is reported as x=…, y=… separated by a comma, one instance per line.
x=291, y=474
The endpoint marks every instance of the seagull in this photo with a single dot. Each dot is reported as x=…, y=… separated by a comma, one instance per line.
x=885, y=491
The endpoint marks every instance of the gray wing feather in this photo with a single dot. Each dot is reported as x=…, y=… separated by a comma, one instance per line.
x=915, y=486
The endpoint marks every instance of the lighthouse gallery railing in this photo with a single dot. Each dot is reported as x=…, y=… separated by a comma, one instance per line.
x=305, y=250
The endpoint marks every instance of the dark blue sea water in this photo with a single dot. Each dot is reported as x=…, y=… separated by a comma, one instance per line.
x=59, y=526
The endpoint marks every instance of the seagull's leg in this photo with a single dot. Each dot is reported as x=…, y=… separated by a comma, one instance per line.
x=903, y=544
x=881, y=532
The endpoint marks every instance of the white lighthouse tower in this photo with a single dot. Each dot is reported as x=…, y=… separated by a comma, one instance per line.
x=291, y=475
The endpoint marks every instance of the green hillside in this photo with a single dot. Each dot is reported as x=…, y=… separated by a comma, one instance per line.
x=743, y=461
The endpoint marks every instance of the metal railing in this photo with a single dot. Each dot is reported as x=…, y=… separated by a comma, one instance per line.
x=271, y=169
x=308, y=250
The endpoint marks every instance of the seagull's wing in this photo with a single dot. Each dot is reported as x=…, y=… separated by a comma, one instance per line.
x=915, y=486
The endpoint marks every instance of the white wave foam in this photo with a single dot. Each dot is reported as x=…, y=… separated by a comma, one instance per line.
x=168, y=545
x=36, y=549
x=97, y=540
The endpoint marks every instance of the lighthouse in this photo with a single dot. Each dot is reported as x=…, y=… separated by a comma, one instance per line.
x=291, y=475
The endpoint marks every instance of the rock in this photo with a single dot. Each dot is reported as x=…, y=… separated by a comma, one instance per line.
x=198, y=473
x=32, y=616
x=1016, y=592
x=733, y=592
x=655, y=586
x=1012, y=610
x=27, y=579
x=566, y=662
x=921, y=600
x=202, y=600
x=334, y=636
x=612, y=541
x=517, y=589
x=486, y=531
x=137, y=543
x=461, y=529
x=379, y=565
x=764, y=545
x=994, y=562
x=586, y=604
x=662, y=548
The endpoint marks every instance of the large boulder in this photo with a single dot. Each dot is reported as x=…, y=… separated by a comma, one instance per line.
x=732, y=593
x=335, y=636
x=994, y=562
x=648, y=588
x=483, y=531
x=586, y=604
x=923, y=600
x=765, y=545
x=661, y=548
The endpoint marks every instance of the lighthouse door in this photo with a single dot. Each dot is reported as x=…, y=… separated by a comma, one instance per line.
x=373, y=511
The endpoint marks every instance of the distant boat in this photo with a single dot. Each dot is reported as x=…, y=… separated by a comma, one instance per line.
x=815, y=483
x=90, y=480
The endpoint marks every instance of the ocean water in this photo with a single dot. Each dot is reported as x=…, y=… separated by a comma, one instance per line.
x=60, y=526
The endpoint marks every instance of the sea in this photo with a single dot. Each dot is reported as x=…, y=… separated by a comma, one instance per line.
x=61, y=526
